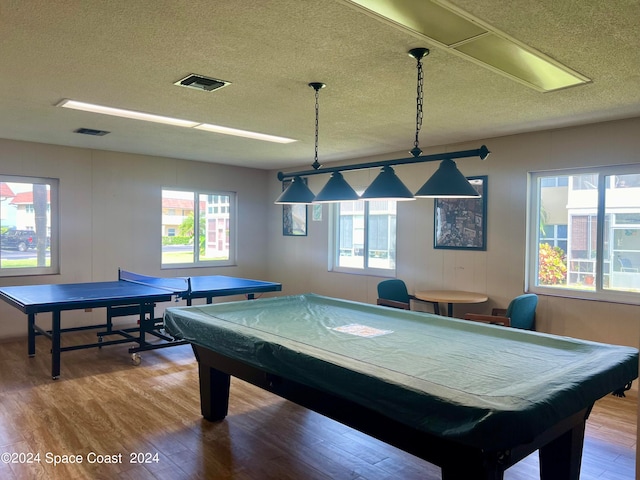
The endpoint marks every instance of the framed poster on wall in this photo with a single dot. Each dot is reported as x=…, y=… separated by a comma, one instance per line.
x=294, y=217
x=460, y=223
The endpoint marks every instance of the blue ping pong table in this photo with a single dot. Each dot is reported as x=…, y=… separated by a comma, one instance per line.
x=131, y=294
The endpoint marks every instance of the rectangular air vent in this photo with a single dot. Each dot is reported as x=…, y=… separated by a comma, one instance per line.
x=91, y=131
x=201, y=82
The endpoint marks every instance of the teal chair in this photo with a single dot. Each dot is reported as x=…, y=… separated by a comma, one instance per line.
x=393, y=293
x=521, y=313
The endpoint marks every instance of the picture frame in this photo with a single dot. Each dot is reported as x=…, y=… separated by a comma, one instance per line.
x=460, y=223
x=294, y=217
x=316, y=215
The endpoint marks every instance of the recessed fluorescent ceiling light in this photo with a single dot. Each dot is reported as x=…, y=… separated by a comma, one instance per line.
x=118, y=112
x=148, y=117
x=462, y=34
x=242, y=133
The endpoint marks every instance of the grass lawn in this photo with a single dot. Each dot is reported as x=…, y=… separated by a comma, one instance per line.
x=22, y=263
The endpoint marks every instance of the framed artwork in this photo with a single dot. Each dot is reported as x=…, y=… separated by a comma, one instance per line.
x=460, y=223
x=294, y=217
x=317, y=212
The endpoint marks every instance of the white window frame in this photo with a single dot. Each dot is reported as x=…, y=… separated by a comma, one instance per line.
x=334, y=245
x=54, y=213
x=231, y=261
x=533, y=223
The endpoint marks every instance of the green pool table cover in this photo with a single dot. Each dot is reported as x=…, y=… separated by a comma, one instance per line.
x=482, y=385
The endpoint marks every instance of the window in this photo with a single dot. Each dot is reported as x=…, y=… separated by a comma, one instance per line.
x=554, y=235
x=365, y=237
x=28, y=226
x=561, y=181
x=585, y=233
x=201, y=235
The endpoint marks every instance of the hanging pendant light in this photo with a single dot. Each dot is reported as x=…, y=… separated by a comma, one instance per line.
x=387, y=186
x=447, y=182
x=296, y=193
x=336, y=190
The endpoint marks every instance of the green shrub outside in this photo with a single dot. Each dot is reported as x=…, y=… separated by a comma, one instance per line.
x=552, y=266
x=177, y=240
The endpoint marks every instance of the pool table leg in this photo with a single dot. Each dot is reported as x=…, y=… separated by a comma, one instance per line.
x=214, y=392
x=560, y=459
x=466, y=471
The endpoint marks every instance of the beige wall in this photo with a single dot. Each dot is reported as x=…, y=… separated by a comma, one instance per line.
x=110, y=216
x=301, y=262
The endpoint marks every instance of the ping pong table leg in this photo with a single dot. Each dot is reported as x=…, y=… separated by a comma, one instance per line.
x=55, y=344
x=142, y=341
x=31, y=342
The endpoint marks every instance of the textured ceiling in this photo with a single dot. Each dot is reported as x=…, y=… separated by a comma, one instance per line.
x=128, y=54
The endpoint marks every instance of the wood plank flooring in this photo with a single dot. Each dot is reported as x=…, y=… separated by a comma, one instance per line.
x=103, y=405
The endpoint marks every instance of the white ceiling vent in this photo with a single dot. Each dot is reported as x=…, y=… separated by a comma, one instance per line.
x=200, y=82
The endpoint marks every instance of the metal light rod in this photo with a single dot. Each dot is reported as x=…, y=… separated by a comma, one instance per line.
x=482, y=152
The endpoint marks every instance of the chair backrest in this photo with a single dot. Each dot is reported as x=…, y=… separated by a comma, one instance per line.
x=625, y=262
x=522, y=311
x=394, y=289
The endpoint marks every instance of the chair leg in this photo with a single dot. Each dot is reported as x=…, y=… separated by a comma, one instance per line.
x=436, y=308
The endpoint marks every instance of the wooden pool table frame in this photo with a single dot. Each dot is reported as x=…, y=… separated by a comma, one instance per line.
x=560, y=447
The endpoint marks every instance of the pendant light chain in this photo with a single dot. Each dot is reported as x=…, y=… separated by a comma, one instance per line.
x=316, y=164
x=316, y=86
x=419, y=103
x=418, y=54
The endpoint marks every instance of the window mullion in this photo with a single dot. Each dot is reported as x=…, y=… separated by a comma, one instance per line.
x=196, y=227
x=366, y=235
x=600, y=232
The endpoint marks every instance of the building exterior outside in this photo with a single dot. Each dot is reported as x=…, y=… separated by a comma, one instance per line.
x=213, y=212
x=569, y=221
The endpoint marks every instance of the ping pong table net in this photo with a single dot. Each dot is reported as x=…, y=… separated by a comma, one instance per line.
x=180, y=286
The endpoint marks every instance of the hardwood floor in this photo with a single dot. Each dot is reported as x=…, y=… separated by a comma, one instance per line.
x=103, y=405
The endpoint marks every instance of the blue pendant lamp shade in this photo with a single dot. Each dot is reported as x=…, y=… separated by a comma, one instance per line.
x=296, y=192
x=387, y=186
x=447, y=182
x=336, y=190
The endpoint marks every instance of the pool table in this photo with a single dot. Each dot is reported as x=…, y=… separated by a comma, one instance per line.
x=471, y=398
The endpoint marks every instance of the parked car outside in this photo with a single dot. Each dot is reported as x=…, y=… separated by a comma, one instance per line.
x=20, y=240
